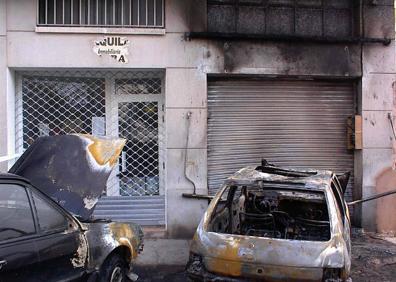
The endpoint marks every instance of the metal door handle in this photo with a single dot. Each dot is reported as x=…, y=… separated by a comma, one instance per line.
x=2, y=263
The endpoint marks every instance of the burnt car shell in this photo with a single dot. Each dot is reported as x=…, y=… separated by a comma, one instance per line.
x=222, y=250
x=73, y=171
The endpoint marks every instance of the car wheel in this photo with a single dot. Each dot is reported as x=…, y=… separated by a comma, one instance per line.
x=114, y=269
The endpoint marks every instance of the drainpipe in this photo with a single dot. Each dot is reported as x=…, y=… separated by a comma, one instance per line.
x=390, y=118
x=188, y=118
x=194, y=194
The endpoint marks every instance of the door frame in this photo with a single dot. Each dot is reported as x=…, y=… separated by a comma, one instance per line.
x=112, y=101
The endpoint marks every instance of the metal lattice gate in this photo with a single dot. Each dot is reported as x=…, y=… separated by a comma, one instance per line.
x=128, y=104
x=138, y=123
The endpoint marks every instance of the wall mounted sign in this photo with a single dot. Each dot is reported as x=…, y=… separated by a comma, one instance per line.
x=114, y=46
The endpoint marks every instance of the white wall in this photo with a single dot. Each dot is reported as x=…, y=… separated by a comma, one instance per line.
x=378, y=100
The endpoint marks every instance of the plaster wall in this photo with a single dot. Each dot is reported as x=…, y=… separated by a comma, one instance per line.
x=378, y=101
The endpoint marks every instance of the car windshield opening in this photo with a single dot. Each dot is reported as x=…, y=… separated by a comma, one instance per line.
x=273, y=212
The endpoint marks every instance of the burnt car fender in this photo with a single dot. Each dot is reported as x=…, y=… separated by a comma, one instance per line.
x=106, y=238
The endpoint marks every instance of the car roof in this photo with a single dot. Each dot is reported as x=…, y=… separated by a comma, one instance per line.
x=11, y=176
x=306, y=180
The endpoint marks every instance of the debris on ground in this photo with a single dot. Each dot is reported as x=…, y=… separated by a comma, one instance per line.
x=373, y=257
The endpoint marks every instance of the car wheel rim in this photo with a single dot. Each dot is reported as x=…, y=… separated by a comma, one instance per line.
x=116, y=275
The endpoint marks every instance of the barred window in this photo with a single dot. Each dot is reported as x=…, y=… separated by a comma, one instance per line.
x=336, y=18
x=101, y=13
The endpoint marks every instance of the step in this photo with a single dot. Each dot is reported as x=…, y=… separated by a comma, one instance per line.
x=128, y=212
x=142, y=222
x=113, y=202
x=131, y=206
x=132, y=198
x=136, y=204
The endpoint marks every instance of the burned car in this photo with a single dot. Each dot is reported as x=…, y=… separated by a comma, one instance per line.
x=46, y=202
x=272, y=224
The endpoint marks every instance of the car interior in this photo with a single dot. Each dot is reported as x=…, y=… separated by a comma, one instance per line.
x=275, y=211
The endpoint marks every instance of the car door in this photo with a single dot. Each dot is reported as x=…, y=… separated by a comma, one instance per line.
x=19, y=259
x=62, y=246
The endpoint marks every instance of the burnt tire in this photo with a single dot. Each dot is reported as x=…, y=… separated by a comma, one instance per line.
x=114, y=269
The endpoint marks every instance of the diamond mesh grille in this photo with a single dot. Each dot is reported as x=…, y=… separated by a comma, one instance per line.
x=138, y=123
x=60, y=105
x=52, y=103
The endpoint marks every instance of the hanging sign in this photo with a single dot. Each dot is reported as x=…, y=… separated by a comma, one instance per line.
x=113, y=46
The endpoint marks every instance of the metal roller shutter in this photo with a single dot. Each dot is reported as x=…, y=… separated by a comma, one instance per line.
x=299, y=124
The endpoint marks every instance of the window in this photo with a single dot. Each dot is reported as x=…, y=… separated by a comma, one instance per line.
x=49, y=218
x=15, y=212
x=283, y=17
x=101, y=13
x=60, y=105
x=128, y=104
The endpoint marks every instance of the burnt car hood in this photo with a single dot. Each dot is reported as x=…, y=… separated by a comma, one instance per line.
x=71, y=169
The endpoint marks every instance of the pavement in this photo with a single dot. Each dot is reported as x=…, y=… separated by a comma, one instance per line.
x=161, y=273
x=373, y=260
x=373, y=257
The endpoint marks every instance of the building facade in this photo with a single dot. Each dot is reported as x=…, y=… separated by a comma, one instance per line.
x=202, y=88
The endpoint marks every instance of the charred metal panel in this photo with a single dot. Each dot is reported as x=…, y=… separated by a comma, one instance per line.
x=293, y=59
x=221, y=18
x=309, y=22
x=285, y=18
x=72, y=169
x=337, y=23
x=245, y=23
x=304, y=18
